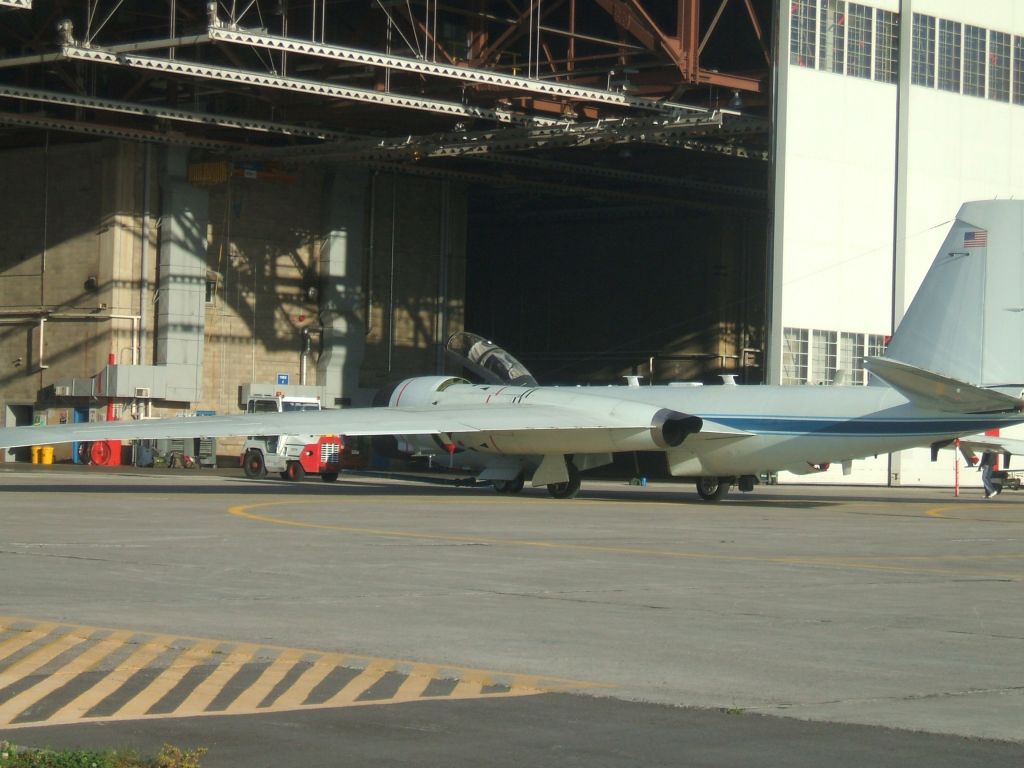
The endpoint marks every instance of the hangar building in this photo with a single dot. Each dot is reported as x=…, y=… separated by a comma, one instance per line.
x=203, y=198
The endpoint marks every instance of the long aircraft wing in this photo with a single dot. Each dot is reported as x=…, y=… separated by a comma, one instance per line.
x=992, y=444
x=354, y=421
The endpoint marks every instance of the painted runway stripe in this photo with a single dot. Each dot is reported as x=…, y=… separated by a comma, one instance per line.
x=63, y=673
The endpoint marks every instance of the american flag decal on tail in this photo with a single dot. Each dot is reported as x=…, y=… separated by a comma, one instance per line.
x=977, y=238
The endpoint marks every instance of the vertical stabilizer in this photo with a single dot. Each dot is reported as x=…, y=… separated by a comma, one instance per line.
x=967, y=320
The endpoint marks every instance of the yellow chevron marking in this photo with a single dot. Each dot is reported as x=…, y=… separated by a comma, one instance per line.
x=272, y=675
x=170, y=677
x=39, y=658
x=82, y=663
x=139, y=659
x=204, y=693
x=296, y=684
x=467, y=689
x=361, y=683
x=416, y=683
x=299, y=691
x=14, y=644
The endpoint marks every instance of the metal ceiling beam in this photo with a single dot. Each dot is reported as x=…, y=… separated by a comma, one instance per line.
x=463, y=74
x=113, y=131
x=165, y=113
x=309, y=87
x=142, y=45
x=669, y=131
x=16, y=3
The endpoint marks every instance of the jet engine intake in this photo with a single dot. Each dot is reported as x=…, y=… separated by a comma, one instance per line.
x=673, y=427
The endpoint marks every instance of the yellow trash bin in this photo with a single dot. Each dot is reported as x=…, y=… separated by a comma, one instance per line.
x=36, y=450
x=46, y=455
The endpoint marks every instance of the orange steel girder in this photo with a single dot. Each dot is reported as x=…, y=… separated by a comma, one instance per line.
x=683, y=49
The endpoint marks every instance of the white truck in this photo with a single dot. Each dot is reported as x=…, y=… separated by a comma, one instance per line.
x=291, y=456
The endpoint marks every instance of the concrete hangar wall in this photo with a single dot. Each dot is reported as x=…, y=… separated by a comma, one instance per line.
x=874, y=162
x=342, y=280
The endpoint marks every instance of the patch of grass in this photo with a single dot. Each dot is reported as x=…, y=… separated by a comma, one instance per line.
x=170, y=756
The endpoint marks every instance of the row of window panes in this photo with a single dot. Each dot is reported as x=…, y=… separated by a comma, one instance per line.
x=843, y=37
x=861, y=41
x=827, y=357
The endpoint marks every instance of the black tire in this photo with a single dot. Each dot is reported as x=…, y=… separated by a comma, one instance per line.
x=328, y=477
x=713, y=488
x=509, y=486
x=568, y=489
x=254, y=465
x=295, y=472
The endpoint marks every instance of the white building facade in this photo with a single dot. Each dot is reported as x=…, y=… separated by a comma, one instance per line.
x=874, y=158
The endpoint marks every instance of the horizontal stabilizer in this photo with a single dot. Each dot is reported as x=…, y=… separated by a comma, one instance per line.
x=992, y=444
x=934, y=391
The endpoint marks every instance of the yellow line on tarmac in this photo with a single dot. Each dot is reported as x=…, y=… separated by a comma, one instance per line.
x=39, y=658
x=361, y=683
x=139, y=659
x=467, y=689
x=82, y=663
x=204, y=693
x=141, y=702
x=416, y=682
x=838, y=562
x=940, y=513
x=14, y=644
x=264, y=684
x=299, y=691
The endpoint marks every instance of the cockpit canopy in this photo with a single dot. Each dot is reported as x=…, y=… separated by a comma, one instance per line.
x=487, y=360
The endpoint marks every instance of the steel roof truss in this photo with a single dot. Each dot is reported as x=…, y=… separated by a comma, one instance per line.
x=311, y=87
x=465, y=74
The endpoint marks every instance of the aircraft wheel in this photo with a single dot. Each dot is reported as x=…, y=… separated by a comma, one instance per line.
x=509, y=486
x=569, y=489
x=328, y=477
x=713, y=488
x=295, y=472
x=254, y=466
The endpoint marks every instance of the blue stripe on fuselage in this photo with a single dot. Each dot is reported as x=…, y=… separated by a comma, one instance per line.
x=790, y=425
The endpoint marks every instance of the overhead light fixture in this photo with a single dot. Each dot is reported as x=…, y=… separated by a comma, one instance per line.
x=736, y=102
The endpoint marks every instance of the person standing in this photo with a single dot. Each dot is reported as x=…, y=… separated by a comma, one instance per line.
x=988, y=461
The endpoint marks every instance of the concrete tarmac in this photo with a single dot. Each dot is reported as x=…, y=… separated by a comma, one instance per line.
x=884, y=608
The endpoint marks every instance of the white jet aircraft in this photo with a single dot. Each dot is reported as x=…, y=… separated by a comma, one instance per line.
x=955, y=367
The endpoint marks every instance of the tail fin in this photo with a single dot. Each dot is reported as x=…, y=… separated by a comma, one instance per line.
x=966, y=322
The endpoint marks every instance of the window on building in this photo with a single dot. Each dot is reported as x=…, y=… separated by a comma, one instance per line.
x=974, y=60
x=1018, y=70
x=886, y=45
x=823, y=356
x=858, y=59
x=876, y=345
x=832, y=35
x=922, y=60
x=794, y=356
x=801, y=32
x=999, y=66
x=950, y=33
x=851, y=358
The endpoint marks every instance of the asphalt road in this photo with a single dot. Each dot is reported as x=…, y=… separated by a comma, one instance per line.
x=375, y=620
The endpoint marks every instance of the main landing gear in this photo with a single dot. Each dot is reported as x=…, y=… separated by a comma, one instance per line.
x=509, y=486
x=713, y=488
x=568, y=489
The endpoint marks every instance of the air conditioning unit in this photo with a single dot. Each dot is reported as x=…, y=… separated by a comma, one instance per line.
x=62, y=391
x=142, y=393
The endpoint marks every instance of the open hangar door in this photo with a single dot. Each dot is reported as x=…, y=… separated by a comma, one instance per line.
x=612, y=152
x=623, y=260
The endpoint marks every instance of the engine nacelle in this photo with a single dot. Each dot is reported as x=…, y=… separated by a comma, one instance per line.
x=591, y=422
